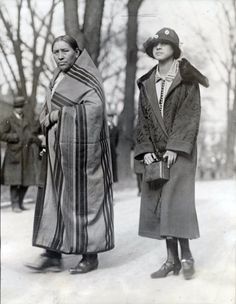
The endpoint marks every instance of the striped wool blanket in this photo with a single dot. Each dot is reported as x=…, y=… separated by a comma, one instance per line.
x=74, y=211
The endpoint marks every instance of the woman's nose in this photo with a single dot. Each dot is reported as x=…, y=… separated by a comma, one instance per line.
x=60, y=55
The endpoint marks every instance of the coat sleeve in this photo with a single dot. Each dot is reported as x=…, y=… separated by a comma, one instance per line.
x=143, y=143
x=6, y=133
x=186, y=122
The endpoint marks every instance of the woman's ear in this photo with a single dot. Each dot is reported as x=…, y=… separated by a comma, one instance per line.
x=77, y=53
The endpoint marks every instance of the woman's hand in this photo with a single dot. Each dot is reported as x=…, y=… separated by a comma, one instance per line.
x=54, y=115
x=149, y=158
x=50, y=119
x=171, y=157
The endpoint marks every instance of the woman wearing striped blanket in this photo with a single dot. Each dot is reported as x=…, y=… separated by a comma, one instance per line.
x=74, y=211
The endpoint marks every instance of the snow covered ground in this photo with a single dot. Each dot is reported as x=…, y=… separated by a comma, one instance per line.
x=123, y=276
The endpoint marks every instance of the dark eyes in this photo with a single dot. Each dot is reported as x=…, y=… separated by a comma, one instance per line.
x=62, y=50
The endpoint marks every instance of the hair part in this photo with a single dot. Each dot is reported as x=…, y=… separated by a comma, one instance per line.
x=69, y=40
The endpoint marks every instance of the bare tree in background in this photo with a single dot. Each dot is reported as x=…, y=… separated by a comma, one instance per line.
x=126, y=121
x=227, y=64
x=23, y=60
x=88, y=34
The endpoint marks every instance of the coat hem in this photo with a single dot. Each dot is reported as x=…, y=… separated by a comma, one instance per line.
x=64, y=252
x=158, y=237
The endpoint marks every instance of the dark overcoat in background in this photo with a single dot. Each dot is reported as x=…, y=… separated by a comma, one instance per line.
x=114, y=140
x=169, y=209
x=21, y=164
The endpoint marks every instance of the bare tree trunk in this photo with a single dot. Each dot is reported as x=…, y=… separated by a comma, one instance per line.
x=231, y=138
x=92, y=27
x=126, y=121
x=89, y=35
x=71, y=21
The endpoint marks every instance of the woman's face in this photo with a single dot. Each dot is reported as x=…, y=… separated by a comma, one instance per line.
x=163, y=51
x=64, y=55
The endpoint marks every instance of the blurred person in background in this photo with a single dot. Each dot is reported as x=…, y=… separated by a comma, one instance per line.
x=74, y=208
x=168, y=123
x=138, y=170
x=21, y=162
x=114, y=140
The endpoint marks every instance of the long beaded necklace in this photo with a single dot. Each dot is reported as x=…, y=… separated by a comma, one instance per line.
x=161, y=100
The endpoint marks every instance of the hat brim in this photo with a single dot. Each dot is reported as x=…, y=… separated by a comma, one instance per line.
x=18, y=106
x=151, y=42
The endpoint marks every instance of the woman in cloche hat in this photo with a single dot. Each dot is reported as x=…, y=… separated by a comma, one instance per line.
x=168, y=123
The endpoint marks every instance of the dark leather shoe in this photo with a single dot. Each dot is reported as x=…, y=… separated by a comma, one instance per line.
x=165, y=269
x=23, y=208
x=46, y=264
x=84, y=266
x=188, y=268
x=16, y=209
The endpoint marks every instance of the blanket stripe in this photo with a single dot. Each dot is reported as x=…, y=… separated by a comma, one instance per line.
x=81, y=158
x=58, y=179
x=87, y=79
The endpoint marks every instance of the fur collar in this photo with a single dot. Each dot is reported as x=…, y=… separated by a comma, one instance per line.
x=187, y=71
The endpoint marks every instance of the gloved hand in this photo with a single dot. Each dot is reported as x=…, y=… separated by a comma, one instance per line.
x=13, y=138
x=34, y=139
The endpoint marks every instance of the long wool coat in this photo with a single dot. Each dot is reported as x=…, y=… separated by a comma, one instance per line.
x=169, y=209
x=21, y=163
x=74, y=211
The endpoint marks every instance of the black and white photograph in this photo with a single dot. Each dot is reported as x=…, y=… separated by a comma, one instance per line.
x=118, y=151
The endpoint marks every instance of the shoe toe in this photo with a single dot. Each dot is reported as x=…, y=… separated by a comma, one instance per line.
x=84, y=267
x=45, y=264
x=188, y=268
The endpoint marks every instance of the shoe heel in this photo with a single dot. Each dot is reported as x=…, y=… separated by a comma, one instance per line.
x=177, y=269
x=176, y=272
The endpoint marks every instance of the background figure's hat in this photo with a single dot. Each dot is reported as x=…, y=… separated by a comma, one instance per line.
x=19, y=102
x=164, y=35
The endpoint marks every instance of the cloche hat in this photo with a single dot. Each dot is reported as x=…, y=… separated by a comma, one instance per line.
x=164, y=35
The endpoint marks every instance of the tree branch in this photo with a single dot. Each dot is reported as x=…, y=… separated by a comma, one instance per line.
x=6, y=78
x=9, y=65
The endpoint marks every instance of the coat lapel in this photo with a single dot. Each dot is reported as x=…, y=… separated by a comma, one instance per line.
x=177, y=80
x=19, y=123
x=150, y=89
x=25, y=122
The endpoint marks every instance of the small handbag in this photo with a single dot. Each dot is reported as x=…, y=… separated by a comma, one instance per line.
x=157, y=171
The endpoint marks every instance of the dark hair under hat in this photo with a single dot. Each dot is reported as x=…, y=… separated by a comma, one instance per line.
x=164, y=35
x=19, y=102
